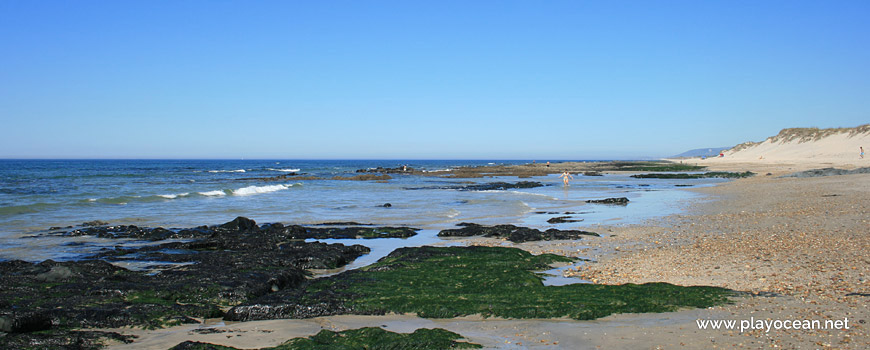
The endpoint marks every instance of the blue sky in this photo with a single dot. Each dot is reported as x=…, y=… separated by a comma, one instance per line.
x=423, y=79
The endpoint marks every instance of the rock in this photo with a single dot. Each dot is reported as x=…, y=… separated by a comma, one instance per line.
x=94, y=223
x=592, y=173
x=612, y=201
x=57, y=273
x=360, y=232
x=364, y=177
x=222, y=266
x=492, y=186
x=24, y=322
x=239, y=224
x=62, y=339
x=382, y=170
x=711, y=174
x=562, y=219
x=513, y=233
x=387, y=205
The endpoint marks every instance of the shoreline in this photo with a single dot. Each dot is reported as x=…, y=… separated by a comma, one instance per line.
x=760, y=207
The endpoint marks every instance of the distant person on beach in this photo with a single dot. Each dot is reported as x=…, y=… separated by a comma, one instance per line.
x=862, y=151
x=548, y=163
x=565, y=176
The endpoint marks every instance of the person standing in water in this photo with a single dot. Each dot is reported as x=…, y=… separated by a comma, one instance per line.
x=565, y=176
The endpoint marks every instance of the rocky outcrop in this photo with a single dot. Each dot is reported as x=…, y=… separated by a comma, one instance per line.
x=492, y=186
x=382, y=170
x=707, y=175
x=611, y=201
x=242, y=225
x=513, y=233
x=221, y=266
x=562, y=220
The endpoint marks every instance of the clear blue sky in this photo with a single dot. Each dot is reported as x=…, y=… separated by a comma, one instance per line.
x=423, y=79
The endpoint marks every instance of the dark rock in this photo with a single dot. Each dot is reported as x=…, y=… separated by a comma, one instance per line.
x=195, y=345
x=563, y=219
x=343, y=223
x=513, y=233
x=707, y=175
x=364, y=177
x=239, y=224
x=94, y=223
x=126, y=231
x=612, y=201
x=592, y=173
x=223, y=266
x=61, y=339
x=492, y=186
x=382, y=170
x=24, y=322
x=360, y=232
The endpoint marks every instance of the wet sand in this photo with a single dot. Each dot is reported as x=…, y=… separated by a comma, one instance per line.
x=801, y=244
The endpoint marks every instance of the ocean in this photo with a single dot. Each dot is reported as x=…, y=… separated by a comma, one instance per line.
x=37, y=195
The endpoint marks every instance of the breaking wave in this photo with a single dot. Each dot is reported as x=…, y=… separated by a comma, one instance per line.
x=227, y=171
x=245, y=191
x=285, y=170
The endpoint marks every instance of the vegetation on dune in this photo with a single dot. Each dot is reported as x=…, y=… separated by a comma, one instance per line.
x=802, y=135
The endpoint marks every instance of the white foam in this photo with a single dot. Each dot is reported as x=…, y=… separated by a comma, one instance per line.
x=244, y=191
x=227, y=171
x=213, y=193
x=285, y=170
x=173, y=196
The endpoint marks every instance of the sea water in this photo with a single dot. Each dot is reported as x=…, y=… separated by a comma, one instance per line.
x=36, y=195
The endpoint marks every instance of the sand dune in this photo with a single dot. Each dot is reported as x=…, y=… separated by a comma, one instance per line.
x=801, y=147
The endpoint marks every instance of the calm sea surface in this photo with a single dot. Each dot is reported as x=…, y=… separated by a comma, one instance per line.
x=36, y=195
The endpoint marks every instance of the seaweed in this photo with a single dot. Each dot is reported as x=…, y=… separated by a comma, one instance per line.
x=444, y=282
x=711, y=174
x=363, y=338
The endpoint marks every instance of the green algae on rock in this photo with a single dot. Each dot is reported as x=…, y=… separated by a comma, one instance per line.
x=444, y=282
x=364, y=338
